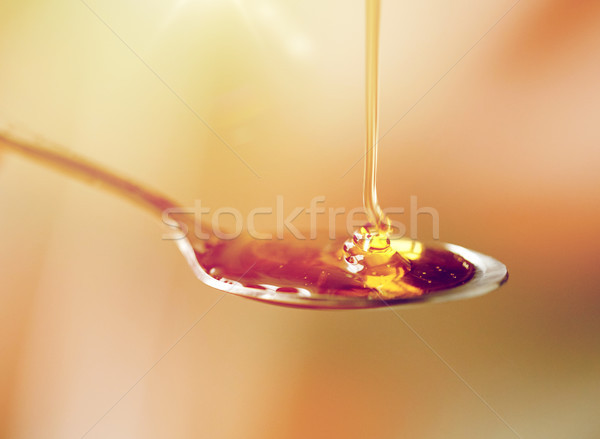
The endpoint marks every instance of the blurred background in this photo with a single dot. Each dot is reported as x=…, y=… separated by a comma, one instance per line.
x=105, y=332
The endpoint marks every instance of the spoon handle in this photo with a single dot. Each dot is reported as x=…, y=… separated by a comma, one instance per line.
x=84, y=170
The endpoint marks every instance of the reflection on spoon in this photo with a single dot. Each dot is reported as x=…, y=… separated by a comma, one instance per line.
x=325, y=274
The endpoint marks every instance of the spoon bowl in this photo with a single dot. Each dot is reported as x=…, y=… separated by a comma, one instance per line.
x=487, y=275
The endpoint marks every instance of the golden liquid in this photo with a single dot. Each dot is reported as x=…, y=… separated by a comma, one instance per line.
x=369, y=265
x=366, y=266
x=375, y=215
x=319, y=269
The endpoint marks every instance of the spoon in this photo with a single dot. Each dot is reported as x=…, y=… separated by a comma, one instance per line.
x=306, y=274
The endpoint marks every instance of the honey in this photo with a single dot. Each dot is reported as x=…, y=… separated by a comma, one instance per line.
x=371, y=268
x=369, y=265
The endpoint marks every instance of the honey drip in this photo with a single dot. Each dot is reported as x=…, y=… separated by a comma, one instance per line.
x=375, y=215
x=367, y=270
x=369, y=265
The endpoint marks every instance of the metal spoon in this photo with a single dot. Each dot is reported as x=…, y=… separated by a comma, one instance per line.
x=488, y=273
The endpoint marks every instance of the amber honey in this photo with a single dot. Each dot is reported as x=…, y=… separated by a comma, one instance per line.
x=368, y=269
x=320, y=268
x=368, y=265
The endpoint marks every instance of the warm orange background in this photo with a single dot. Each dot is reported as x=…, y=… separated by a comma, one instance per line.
x=506, y=146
